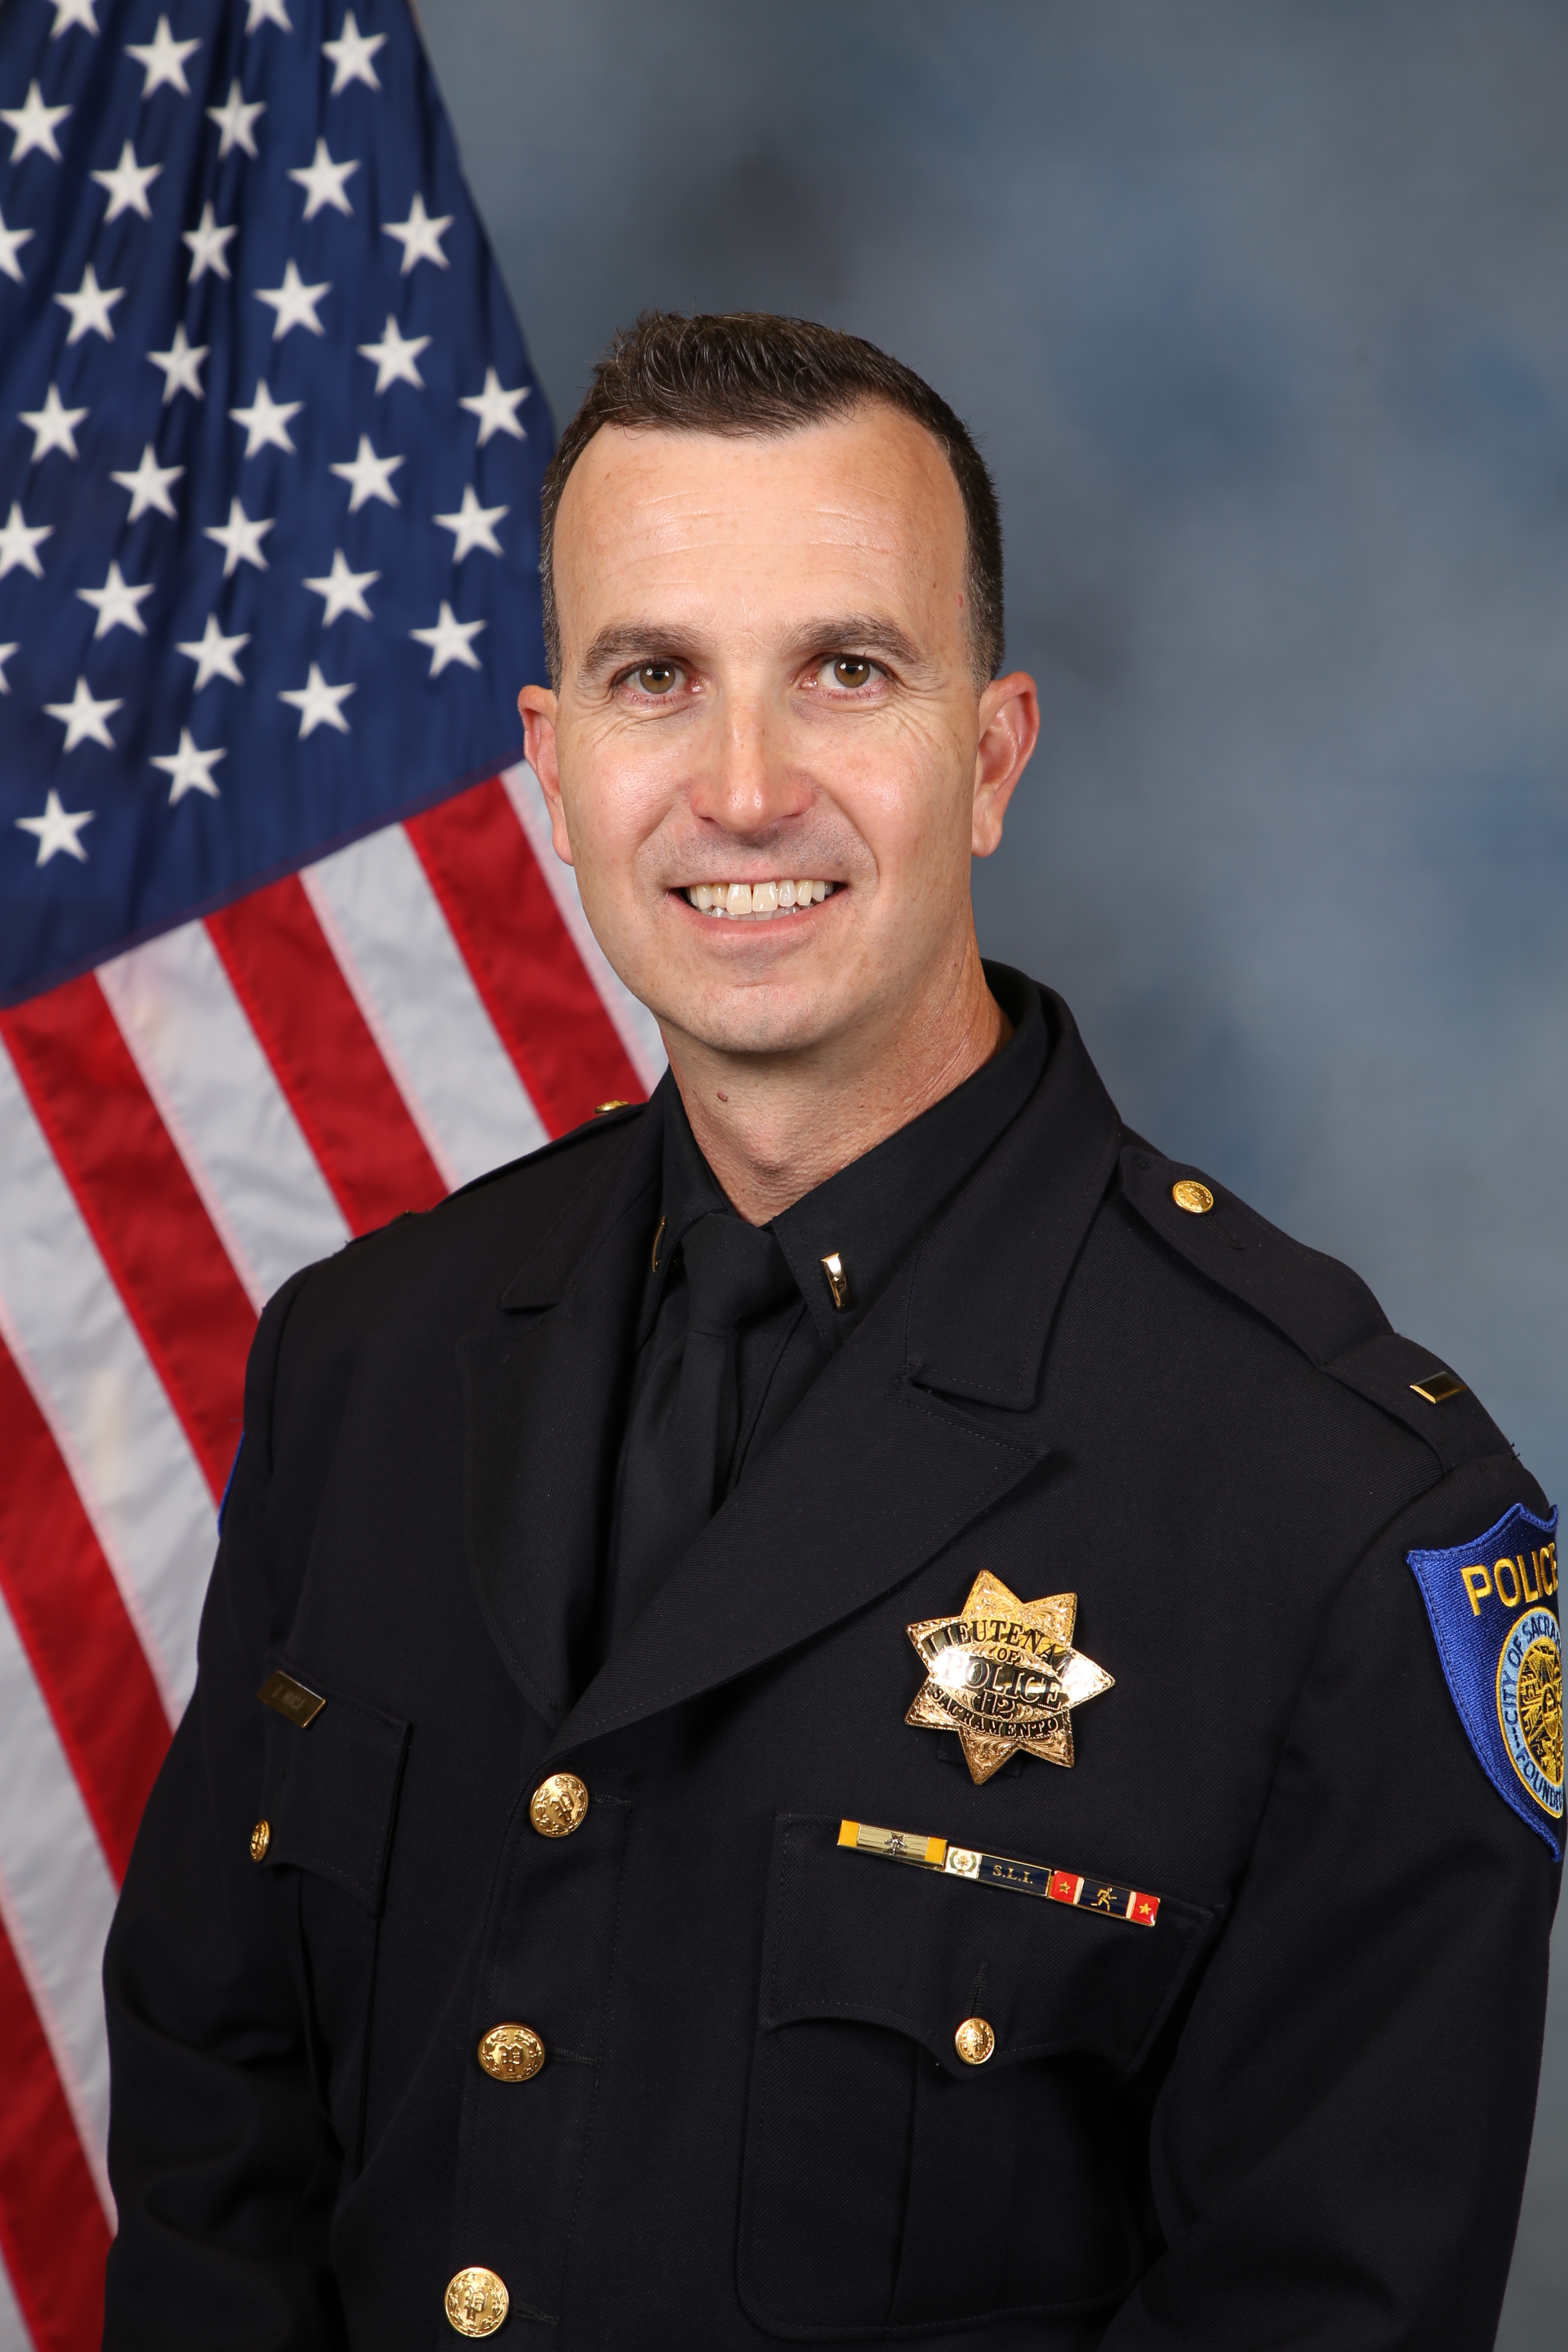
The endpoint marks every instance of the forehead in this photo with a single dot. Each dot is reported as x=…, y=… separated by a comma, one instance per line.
x=868, y=499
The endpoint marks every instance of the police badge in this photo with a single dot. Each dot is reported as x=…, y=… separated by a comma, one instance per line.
x=1002, y=1674
x=1490, y=1603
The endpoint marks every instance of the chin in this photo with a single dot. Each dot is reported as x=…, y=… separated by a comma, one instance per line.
x=756, y=1020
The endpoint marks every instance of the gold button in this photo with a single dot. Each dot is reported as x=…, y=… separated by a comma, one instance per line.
x=512, y=2053
x=559, y=1805
x=476, y=2300
x=1195, y=1198
x=974, y=2041
x=261, y=1839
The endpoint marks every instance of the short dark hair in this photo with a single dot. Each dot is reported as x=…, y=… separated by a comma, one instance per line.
x=751, y=372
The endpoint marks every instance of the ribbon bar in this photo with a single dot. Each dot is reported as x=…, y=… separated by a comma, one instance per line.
x=1083, y=1893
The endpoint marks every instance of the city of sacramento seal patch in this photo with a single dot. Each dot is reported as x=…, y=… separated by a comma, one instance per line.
x=1493, y=1606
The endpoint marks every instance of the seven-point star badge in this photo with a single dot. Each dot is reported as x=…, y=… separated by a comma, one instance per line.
x=1002, y=1674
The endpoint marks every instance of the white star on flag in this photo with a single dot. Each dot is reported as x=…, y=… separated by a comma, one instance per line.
x=236, y=121
x=496, y=408
x=368, y=476
x=162, y=60
x=181, y=363
x=6, y=654
x=90, y=307
x=419, y=235
x=213, y=654
x=470, y=526
x=318, y=704
x=294, y=303
x=268, y=12
x=450, y=640
x=19, y=542
x=149, y=486
x=55, y=830
x=188, y=770
x=350, y=54
x=72, y=11
x=343, y=590
x=265, y=422
x=83, y=719
x=239, y=538
x=396, y=356
x=128, y=184
x=117, y=605
x=34, y=126
x=12, y=240
x=53, y=426
x=324, y=182
x=208, y=245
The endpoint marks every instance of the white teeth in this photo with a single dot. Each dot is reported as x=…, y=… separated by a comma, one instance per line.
x=757, y=900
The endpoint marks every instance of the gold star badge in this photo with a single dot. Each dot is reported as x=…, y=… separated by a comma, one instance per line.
x=1002, y=1674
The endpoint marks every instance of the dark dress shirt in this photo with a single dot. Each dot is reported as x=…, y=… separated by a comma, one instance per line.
x=871, y=1214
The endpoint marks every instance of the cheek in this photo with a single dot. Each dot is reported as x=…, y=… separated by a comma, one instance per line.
x=616, y=788
x=909, y=796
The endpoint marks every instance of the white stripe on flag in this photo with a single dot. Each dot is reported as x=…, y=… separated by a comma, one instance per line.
x=82, y=1357
x=408, y=977
x=634, y=1025
x=225, y=1113
x=57, y=1898
x=14, y=2335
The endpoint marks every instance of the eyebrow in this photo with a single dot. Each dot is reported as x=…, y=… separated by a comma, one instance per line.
x=863, y=631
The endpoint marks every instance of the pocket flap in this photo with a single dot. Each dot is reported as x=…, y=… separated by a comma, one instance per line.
x=332, y=1791
x=854, y=1936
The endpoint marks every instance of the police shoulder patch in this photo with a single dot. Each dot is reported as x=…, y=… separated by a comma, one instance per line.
x=1493, y=1607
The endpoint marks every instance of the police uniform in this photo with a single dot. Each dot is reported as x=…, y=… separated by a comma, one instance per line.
x=1054, y=1862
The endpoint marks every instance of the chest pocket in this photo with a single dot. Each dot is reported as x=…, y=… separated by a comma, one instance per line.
x=889, y=2186
x=330, y=1796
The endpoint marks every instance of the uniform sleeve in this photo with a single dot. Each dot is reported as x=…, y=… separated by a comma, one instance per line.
x=221, y=2161
x=1339, y=2149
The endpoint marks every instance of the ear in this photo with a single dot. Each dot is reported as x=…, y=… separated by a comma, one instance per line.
x=537, y=706
x=1009, y=728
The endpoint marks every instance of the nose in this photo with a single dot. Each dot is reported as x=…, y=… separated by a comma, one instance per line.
x=748, y=782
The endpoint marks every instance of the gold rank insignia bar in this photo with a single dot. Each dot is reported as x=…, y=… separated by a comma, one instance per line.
x=1075, y=1887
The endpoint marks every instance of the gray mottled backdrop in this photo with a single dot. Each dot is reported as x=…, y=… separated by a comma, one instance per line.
x=1261, y=316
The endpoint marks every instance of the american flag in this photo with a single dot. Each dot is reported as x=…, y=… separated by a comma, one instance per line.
x=283, y=947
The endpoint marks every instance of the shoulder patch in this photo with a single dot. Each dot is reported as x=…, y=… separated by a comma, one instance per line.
x=1493, y=1607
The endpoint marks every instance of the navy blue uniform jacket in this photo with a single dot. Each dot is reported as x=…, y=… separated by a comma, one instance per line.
x=1295, y=2112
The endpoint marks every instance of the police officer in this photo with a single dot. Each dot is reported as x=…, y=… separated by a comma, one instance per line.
x=847, y=1705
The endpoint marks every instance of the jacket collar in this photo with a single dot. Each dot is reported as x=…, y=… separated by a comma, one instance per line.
x=926, y=1418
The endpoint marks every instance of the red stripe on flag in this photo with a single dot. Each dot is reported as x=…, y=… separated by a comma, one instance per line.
x=323, y=1056
x=53, y=2232
x=142, y=1208
x=551, y=1017
x=74, y=1625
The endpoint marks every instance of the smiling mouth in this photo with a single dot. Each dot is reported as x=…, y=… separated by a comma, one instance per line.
x=757, y=902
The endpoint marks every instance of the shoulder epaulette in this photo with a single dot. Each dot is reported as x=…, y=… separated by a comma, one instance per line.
x=1322, y=1307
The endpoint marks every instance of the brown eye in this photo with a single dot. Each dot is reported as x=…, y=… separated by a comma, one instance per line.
x=851, y=671
x=657, y=678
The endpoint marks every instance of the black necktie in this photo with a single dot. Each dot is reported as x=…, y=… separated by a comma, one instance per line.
x=681, y=1442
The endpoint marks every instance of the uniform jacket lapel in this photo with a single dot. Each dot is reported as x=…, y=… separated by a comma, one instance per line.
x=924, y=1419
x=544, y=1380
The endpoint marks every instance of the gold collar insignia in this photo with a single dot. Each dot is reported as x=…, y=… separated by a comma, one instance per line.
x=1002, y=1674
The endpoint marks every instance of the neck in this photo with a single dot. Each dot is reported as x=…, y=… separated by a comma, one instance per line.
x=773, y=1127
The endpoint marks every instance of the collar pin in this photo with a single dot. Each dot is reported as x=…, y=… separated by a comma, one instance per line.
x=837, y=1280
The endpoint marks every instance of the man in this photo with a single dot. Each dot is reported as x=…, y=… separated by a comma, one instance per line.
x=884, y=1714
